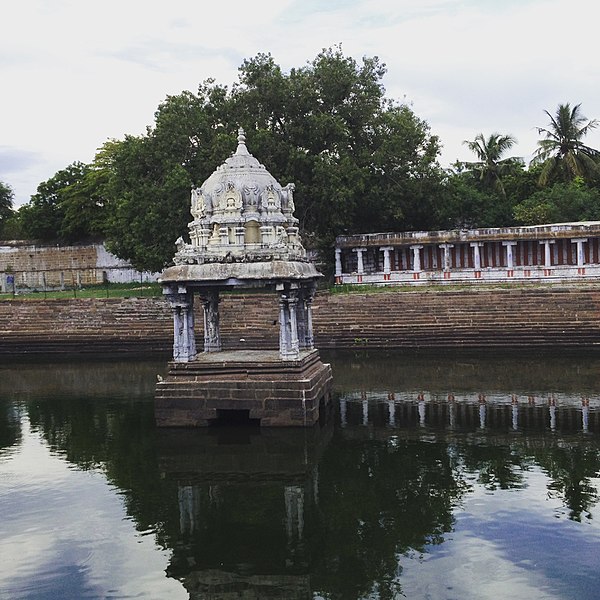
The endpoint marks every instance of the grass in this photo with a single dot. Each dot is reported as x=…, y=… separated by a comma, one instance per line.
x=111, y=290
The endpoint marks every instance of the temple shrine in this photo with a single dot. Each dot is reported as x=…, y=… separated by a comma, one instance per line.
x=243, y=236
x=562, y=252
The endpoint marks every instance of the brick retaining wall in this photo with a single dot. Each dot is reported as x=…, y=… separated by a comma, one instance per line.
x=546, y=317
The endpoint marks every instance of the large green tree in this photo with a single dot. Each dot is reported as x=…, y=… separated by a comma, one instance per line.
x=561, y=152
x=360, y=162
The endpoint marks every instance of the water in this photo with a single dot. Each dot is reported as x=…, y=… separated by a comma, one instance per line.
x=433, y=477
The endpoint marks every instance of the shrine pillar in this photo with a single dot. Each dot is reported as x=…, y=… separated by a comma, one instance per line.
x=304, y=319
x=212, y=333
x=338, y=265
x=181, y=301
x=289, y=347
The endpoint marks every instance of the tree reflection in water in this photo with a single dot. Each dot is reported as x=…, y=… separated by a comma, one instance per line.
x=333, y=510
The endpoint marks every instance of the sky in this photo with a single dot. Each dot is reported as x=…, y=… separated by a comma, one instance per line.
x=76, y=73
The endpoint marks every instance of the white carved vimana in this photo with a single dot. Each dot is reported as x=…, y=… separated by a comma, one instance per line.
x=243, y=235
x=241, y=214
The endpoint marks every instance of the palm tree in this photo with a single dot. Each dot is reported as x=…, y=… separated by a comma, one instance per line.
x=491, y=166
x=561, y=153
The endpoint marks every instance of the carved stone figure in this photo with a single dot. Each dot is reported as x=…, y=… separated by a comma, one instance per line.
x=288, y=197
x=251, y=193
x=198, y=204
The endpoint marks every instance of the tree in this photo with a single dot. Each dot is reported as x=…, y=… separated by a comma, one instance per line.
x=360, y=162
x=490, y=166
x=149, y=177
x=560, y=203
x=6, y=203
x=562, y=153
x=465, y=206
x=63, y=206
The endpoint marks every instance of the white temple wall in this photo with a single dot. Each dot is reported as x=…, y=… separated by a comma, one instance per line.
x=525, y=253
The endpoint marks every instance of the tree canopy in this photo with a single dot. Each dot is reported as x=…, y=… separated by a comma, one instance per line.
x=561, y=152
x=361, y=162
x=6, y=201
x=491, y=166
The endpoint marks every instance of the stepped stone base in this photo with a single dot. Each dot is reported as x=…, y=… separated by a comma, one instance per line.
x=279, y=393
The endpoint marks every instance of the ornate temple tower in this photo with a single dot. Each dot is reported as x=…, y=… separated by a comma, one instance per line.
x=243, y=235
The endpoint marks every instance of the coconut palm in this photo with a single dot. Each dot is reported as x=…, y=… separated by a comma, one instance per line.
x=491, y=166
x=561, y=153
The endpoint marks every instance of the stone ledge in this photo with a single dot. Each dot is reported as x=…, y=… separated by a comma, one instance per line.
x=279, y=393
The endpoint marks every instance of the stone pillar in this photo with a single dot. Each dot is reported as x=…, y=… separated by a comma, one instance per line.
x=416, y=249
x=580, y=254
x=386, y=262
x=212, y=334
x=338, y=265
x=446, y=256
x=181, y=301
x=239, y=235
x=288, y=325
x=446, y=259
x=267, y=235
x=304, y=319
x=476, y=255
x=547, y=255
x=224, y=236
x=310, y=338
x=283, y=326
x=203, y=237
x=293, y=308
x=509, y=257
x=301, y=321
x=360, y=268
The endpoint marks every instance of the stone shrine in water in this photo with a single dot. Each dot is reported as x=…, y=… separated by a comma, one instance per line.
x=244, y=235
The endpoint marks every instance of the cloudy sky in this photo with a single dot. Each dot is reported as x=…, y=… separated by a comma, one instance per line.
x=75, y=73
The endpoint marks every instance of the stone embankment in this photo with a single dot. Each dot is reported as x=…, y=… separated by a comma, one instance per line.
x=537, y=317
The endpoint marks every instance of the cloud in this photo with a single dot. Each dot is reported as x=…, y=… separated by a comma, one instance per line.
x=49, y=550
x=78, y=73
x=14, y=160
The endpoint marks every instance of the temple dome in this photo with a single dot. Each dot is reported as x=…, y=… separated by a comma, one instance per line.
x=242, y=190
x=242, y=215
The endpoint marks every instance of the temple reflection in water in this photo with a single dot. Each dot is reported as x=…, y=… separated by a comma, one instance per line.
x=419, y=457
x=243, y=498
x=558, y=412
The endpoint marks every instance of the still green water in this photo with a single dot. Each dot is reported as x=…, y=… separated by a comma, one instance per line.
x=432, y=477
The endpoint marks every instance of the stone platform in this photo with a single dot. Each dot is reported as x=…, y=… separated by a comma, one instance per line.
x=253, y=384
